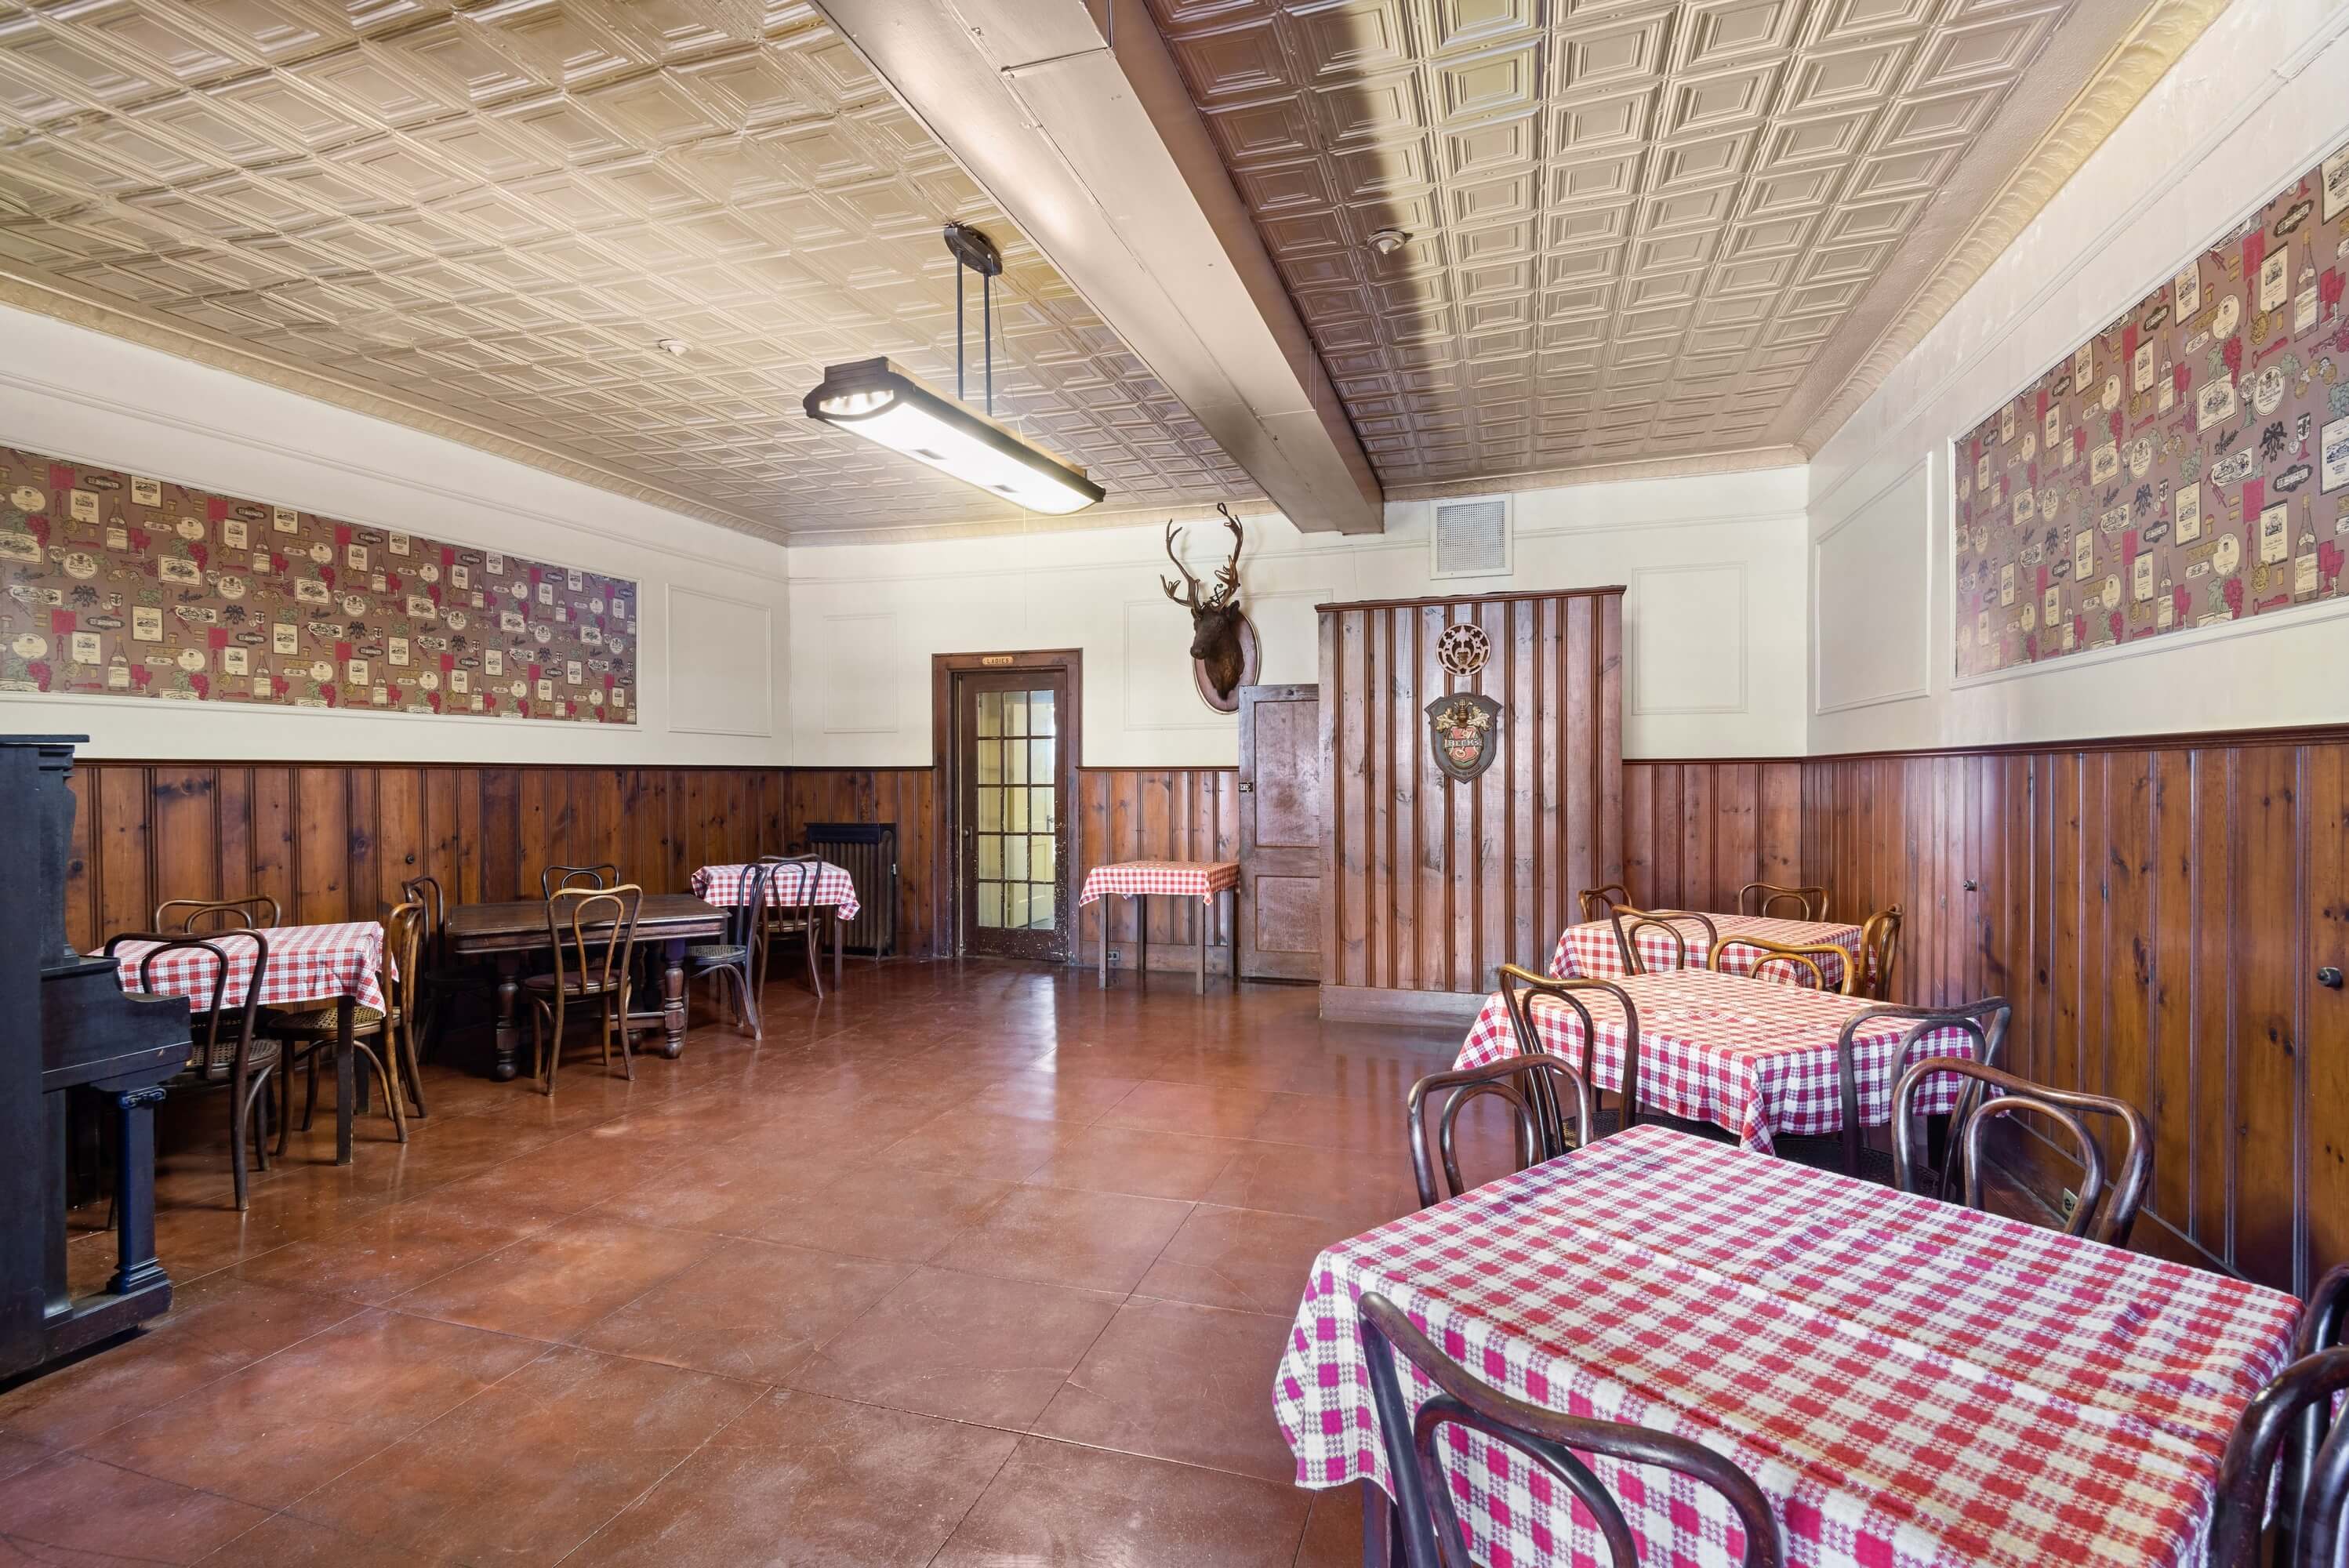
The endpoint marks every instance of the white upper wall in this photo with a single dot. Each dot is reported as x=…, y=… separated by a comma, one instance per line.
x=2257, y=99
x=711, y=637
x=1713, y=622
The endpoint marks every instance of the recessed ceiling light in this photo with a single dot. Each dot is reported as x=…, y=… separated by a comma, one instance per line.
x=674, y=346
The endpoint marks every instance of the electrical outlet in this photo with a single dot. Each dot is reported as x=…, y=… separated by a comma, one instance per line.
x=1117, y=955
x=2070, y=1202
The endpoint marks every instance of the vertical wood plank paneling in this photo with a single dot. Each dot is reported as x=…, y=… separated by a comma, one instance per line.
x=2157, y=914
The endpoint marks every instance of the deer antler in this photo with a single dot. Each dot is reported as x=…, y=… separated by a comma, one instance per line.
x=1227, y=579
x=1189, y=599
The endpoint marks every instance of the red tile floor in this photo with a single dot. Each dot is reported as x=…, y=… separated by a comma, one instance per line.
x=967, y=1265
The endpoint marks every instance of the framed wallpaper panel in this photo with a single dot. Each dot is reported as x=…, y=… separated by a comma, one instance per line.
x=119, y=584
x=2187, y=465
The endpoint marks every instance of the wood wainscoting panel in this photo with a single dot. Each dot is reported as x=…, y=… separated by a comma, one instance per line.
x=1157, y=814
x=905, y=796
x=2157, y=911
x=1695, y=832
x=333, y=842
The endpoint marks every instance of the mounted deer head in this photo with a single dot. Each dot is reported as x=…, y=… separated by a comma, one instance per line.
x=1216, y=616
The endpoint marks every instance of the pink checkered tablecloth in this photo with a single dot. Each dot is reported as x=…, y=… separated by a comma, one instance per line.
x=728, y=885
x=1913, y=1384
x=306, y=964
x=1185, y=879
x=1591, y=953
x=1754, y=1057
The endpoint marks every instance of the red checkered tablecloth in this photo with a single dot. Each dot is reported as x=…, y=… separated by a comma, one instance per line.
x=306, y=964
x=729, y=886
x=1754, y=1057
x=1186, y=879
x=1913, y=1384
x=1591, y=953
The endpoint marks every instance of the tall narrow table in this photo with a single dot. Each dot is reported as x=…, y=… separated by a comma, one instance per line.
x=1202, y=879
x=506, y=934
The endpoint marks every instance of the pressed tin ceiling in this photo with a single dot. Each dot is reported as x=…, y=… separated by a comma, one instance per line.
x=1660, y=235
x=483, y=219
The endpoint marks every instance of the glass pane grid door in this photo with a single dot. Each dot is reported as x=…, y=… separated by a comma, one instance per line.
x=1014, y=768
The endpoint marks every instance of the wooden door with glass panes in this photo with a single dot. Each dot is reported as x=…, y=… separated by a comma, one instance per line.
x=1014, y=880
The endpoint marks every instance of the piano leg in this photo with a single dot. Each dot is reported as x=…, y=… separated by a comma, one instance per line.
x=136, y=1266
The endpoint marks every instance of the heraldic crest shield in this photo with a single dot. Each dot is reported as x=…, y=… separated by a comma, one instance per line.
x=1465, y=728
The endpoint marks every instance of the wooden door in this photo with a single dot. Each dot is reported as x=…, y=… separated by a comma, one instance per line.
x=1280, y=798
x=1012, y=771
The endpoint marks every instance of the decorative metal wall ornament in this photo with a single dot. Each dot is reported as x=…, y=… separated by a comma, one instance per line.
x=1223, y=644
x=1463, y=648
x=1464, y=729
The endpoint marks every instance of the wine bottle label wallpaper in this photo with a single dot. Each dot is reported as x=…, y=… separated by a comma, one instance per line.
x=119, y=584
x=2190, y=464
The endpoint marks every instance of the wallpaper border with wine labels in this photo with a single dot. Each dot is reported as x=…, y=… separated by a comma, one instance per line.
x=2187, y=465
x=124, y=585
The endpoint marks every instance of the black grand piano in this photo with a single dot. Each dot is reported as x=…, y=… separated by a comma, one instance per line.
x=67, y=1028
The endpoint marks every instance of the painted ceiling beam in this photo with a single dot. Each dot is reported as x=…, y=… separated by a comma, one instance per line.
x=1099, y=155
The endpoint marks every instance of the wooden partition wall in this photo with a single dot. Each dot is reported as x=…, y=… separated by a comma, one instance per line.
x=334, y=842
x=1430, y=884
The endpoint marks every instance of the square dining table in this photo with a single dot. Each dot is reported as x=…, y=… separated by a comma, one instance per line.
x=830, y=888
x=1913, y=1384
x=1755, y=1058
x=1591, y=952
x=341, y=963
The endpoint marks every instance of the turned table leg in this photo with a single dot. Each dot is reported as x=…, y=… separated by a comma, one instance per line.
x=508, y=1040
x=673, y=999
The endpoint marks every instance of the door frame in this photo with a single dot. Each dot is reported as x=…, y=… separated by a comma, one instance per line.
x=946, y=861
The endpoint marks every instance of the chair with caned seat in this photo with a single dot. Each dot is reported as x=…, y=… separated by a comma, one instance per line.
x=740, y=954
x=1759, y=898
x=2099, y=1215
x=380, y=1038
x=195, y=916
x=1557, y=1446
x=592, y=932
x=793, y=912
x=436, y=977
x=223, y=1051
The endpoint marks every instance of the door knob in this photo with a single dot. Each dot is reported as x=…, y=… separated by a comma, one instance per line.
x=2329, y=977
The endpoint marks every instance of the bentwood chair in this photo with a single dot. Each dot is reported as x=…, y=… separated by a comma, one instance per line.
x=1629, y=923
x=381, y=1042
x=1809, y=903
x=1533, y=1087
x=794, y=913
x=1983, y=1023
x=2100, y=1216
x=1880, y=951
x=2291, y=1420
x=552, y=880
x=592, y=932
x=224, y=1052
x=1549, y=1441
x=435, y=978
x=738, y=954
x=1597, y=901
x=1802, y=963
x=252, y=913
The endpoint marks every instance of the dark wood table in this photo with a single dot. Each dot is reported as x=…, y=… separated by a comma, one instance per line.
x=506, y=934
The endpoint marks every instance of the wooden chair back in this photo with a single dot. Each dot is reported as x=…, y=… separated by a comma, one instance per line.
x=1553, y=1443
x=1521, y=988
x=1759, y=898
x=404, y=930
x=1796, y=959
x=1597, y=901
x=744, y=920
x=1533, y=1087
x=2099, y=1215
x=796, y=878
x=425, y=892
x=253, y=912
x=1629, y=923
x=2306, y=1495
x=1880, y=951
x=1983, y=1023
x=594, y=932
x=220, y=1024
x=554, y=879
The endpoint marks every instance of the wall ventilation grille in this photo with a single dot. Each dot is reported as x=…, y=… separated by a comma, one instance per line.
x=1472, y=537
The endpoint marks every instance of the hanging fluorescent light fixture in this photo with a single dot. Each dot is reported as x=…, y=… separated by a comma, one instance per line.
x=875, y=399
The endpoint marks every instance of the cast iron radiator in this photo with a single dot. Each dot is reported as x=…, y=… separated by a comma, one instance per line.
x=867, y=851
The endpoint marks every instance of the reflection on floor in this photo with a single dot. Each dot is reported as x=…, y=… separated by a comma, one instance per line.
x=966, y=1264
